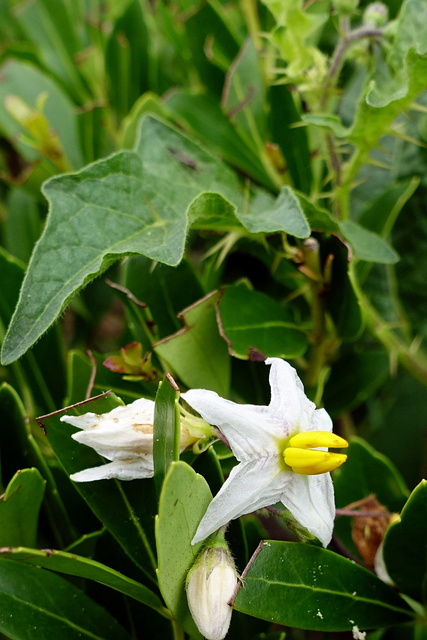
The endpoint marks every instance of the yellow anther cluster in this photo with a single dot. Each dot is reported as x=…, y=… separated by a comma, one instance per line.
x=303, y=457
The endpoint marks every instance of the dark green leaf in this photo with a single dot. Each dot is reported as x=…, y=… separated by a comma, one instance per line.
x=41, y=372
x=166, y=437
x=341, y=300
x=74, y=565
x=293, y=141
x=309, y=587
x=405, y=544
x=39, y=605
x=353, y=379
x=19, y=508
x=251, y=320
x=166, y=290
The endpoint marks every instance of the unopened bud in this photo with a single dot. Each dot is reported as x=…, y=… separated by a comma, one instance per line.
x=375, y=14
x=210, y=584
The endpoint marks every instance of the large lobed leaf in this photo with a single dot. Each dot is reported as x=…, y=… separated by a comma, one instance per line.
x=134, y=202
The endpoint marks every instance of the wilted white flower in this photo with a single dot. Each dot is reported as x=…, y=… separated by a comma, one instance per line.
x=282, y=450
x=210, y=584
x=124, y=436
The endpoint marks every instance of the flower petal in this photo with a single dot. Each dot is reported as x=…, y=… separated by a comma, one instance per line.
x=140, y=411
x=114, y=441
x=289, y=404
x=131, y=469
x=320, y=421
x=248, y=428
x=250, y=486
x=310, y=499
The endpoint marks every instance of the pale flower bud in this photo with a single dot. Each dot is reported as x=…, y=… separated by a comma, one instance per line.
x=375, y=14
x=210, y=584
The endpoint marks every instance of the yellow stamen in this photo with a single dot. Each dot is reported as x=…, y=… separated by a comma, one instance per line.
x=309, y=462
x=312, y=439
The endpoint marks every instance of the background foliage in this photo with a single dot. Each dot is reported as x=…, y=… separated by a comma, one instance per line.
x=218, y=182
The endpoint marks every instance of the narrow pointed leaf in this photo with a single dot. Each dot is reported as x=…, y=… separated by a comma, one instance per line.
x=74, y=565
x=39, y=604
x=166, y=429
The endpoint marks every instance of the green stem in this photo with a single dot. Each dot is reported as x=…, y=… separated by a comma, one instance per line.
x=339, y=57
x=178, y=632
x=414, y=360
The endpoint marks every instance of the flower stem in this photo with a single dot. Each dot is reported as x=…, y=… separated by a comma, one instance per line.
x=339, y=56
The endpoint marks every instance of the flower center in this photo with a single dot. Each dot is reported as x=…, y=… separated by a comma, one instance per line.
x=302, y=455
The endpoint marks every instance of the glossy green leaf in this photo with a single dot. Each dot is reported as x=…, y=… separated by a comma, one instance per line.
x=126, y=509
x=39, y=604
x=252, y=320
x=184, y=500
x=197, y=353
x=166, y=436
x=20, y=448
x=292, y=140
x=309, y=587
x=341, y=300
x=405, y=543
x=19, y=508
x=75, y=565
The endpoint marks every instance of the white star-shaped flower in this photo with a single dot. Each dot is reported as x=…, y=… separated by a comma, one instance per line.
x=282, y=458
x=124, y=436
